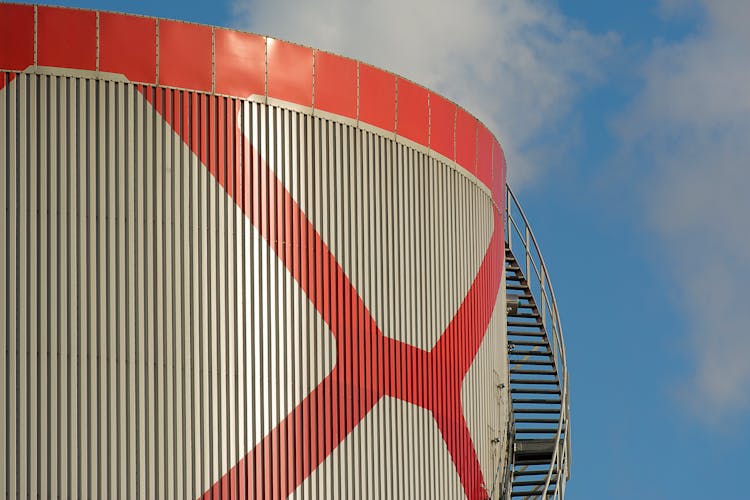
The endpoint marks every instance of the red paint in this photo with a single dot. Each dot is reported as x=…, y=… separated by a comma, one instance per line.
x=484, y=155
x=185, y=55
x=16, y=36
x=377, y=97
x=127, y=45
x=240, y=63
x=66, y=38
x=442, y=125
x=369, y=366
x=290, y=72
x=412, y=116
x=466, y=140
x=336, y=84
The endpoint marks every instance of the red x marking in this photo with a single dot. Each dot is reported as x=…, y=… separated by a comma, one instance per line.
x=368, y=365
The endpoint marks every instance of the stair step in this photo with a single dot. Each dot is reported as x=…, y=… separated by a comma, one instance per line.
x=531, y=462
x=538, y=494
x=535, y=324
x=534, y=449
x=516, y=287
x=537, y=401
x=536, y=472
x=528, y=305
x=526, y=494
x=536, y=380
x=521, y=333
x=537, y=420
x=517, y=390
x=536, y=410
x=528, y=298
x=536, y=362
x=533, y=381
x=535, y=482
x=519, y=357
x=532, y=384
x=529, y=342
x=524, y=371
x=536, y=430
x=524, y=315
x=534, y=493
x=525, y=352
x=525, y=305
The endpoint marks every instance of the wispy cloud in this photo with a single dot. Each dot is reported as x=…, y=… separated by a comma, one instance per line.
x=519, y=66
x=692, y=122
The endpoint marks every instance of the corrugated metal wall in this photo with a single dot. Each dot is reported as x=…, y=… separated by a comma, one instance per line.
x=166, y=306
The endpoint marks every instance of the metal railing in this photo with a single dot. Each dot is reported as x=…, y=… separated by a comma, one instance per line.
x=521, y=241
x=503, y=477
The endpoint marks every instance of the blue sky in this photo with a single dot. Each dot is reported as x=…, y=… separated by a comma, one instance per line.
x=627, y=129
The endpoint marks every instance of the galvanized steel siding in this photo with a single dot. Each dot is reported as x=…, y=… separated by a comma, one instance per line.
x=156, y=321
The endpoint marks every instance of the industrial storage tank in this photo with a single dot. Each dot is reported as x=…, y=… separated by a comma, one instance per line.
x=237, y=267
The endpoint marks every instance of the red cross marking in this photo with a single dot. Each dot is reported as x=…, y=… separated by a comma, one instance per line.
x=368, y=365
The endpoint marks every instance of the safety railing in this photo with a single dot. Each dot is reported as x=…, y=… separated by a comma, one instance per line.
x=503, y=476
x=521, y=241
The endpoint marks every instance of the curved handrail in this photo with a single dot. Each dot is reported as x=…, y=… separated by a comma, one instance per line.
x=507, y=465
x=542, y=289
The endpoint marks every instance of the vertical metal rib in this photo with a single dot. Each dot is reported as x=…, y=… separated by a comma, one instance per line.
x=156, y=329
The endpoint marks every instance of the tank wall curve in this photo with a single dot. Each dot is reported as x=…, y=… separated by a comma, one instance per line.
x=229, y=297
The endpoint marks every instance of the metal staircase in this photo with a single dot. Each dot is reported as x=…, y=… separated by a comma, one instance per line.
x=538, y=372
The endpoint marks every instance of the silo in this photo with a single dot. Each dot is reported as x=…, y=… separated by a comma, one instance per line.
x=237, y=267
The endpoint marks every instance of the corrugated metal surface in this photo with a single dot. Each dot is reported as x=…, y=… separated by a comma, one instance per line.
x=204, y=294
x=232, y=63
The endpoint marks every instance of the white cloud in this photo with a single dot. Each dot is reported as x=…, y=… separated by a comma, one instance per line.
x=518, y=66
x=692, y=123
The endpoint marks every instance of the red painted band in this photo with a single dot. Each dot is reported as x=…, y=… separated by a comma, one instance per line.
x=206, y=59
x=431, y=380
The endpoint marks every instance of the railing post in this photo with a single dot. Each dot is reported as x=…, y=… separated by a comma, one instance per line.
x=543, y=293
x=556, y=346
x=528, y=253
x=508, y=218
